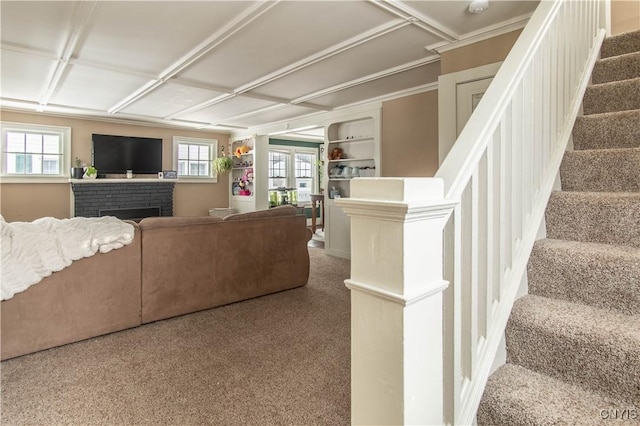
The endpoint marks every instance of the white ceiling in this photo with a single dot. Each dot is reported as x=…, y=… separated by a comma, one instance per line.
x=229, y=65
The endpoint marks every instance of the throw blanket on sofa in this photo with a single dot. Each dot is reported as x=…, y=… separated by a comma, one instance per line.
x=34, y=250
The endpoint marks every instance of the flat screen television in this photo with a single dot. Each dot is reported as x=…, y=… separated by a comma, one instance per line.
x=112, y=154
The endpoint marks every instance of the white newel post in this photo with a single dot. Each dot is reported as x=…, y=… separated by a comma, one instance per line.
x=396, y=299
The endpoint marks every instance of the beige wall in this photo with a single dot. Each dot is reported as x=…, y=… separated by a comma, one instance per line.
x=410, y=136
x=625, y=16
x=26, y=202
x=409, y=145
x=477, y=54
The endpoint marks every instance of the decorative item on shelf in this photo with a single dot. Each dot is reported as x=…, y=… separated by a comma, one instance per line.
x=248, y=175
x=244, y=182
x=335, y=154
x=222, y=164
x=334, y=193
x=90, y=173
x=367, y=171
x=77, y=171
x=243, y=164
x=243, y=149
x=243, y=188
x=337, y=172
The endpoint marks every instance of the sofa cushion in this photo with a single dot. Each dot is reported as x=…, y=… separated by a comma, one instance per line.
x=287, y=210
x=159, y=222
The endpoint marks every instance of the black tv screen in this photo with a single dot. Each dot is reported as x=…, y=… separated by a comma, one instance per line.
x=117, y=154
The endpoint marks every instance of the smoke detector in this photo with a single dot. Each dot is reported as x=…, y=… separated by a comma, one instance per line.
x=478, y=6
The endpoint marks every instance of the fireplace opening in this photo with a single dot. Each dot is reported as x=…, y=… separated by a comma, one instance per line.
x=134, y=213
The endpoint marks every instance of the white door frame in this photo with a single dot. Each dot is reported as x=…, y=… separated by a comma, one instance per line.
x=447, y=104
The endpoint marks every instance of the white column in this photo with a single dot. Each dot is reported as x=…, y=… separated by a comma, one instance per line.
x=396, y=299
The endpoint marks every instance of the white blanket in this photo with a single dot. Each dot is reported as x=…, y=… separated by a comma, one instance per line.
x=34, y=250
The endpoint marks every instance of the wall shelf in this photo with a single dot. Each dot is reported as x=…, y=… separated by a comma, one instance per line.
x=255, y=159
x=358, y=139
x=363, y=152
x=347, y=160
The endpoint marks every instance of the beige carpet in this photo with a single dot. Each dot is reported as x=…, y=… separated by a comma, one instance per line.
x=573, y=343
x=282, y=359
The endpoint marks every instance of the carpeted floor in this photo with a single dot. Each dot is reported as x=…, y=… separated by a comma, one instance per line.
x=282, y=359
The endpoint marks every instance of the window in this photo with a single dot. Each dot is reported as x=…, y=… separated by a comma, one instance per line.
x=305, y=170
x=31, y=150
x=278, y=169
x=193, y=157
x=300, y=174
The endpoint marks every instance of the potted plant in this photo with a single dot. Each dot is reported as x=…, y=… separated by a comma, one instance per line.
x=222, y=164
x=77, y=171
x=90, y=173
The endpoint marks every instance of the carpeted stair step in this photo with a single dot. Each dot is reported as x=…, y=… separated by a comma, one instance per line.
x=608, y=130
x=600, y=275
x=601, y=170
x=594, y=348
x=620, y=44
x=615, y=68
x=599, y=217
x=621, y=95
x=516, y=396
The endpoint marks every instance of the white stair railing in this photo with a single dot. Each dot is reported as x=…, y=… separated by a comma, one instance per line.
x=421, y=358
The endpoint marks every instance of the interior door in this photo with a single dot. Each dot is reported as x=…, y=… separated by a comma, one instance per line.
x=458, y=93
x=468, y=96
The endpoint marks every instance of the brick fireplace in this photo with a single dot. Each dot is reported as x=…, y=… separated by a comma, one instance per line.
x=126, y=199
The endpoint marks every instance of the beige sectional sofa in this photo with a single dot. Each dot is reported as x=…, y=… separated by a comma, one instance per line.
x=174, y=266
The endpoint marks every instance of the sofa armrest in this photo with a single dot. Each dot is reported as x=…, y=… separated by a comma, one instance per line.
x=93, y=296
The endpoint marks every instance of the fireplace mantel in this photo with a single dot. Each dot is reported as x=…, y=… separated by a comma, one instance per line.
x=121, y=180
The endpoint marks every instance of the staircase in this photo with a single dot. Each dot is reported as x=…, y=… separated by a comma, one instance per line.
x=573, y=343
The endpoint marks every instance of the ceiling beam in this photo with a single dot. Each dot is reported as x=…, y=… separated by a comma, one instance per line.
x=485, y=33
x=404, y=11
x=235, y=25
x=227, y=96
x=251, y=113
x=368, y=78
x=201, y=105
x=283, y=101
x=10, y=47
x=324, y=54
x=82, y=14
